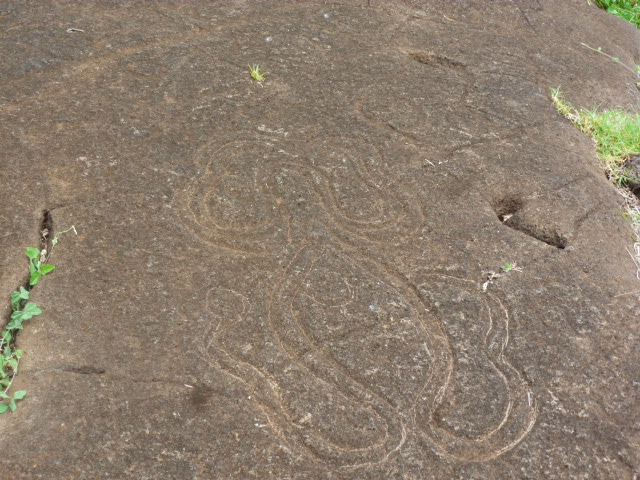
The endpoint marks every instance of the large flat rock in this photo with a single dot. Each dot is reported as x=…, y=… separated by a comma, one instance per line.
x=285, y=280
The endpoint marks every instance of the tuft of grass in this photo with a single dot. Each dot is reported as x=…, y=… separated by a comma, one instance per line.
x=617, y=137
x=627, y=9
x=256, y=74
x=615, y=132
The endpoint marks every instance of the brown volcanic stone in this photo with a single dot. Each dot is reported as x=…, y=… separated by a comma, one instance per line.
x=285, y=281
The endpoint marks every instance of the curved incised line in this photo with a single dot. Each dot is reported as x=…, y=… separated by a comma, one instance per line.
x=393, y=209
x=395, y=214
x=303, y=352
x=520, y=413
x=257, y=239
x=296, y=340
x=266, y=392
x=400, y=216
x=353, y=157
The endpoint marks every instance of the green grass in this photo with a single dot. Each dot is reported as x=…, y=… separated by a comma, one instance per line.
x=633, y=216
x=617, y=137
x=256, y=74
x=615, y=132
x=627, y=9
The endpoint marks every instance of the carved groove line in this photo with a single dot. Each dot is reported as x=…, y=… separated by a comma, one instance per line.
x=520, y=413
x=395, y=215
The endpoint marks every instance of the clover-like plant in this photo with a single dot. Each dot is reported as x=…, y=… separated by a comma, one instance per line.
x=21, y=310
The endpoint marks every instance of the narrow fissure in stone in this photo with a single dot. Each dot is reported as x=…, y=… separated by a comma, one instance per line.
x=45, y=231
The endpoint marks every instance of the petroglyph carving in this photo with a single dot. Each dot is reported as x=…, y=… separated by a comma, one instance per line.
x=351, y=360
x=477, y=325
x=230, y=203
x=238, y=200
x=346, y=357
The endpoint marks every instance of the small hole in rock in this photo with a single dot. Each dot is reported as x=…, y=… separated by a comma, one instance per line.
x=506, y=209
x=507, y=206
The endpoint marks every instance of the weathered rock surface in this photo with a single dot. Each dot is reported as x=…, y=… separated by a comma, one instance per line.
x=285, y=281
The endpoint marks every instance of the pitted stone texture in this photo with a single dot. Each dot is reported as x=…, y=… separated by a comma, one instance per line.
x=286, y=280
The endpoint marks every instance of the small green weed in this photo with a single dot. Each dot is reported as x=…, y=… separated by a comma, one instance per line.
x=491, y=276
x=256, y=74
x=21, y=310
x=635, y=69
x=507, y=267
x=627, y=9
